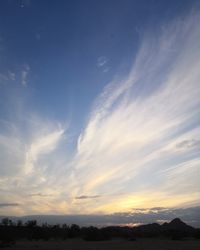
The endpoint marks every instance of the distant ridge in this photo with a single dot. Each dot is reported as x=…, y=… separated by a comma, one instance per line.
x=177, y=224
x=99, y=221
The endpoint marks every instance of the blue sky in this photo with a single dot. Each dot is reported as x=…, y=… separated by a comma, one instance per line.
x=99, y=106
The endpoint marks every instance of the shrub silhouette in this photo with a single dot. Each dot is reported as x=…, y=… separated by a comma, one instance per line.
x=74, y=231
x=10, y=231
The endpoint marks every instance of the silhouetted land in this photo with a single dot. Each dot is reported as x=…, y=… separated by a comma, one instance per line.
x=173, y=235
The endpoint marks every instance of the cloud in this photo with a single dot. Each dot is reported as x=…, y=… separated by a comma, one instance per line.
x=22, y=154
x=24, y=74
x=11, y=75
x=40, y=195
x=101, y=61
x=42, y=145
x=139, y=147
x=25, y=3
x=130, y=141
x=189, y=215
x=11, y=154
x=105, y=70
x=3, y=78
x=6, y=77
x=30, y=163
x=83, y=197
x=8, y=204
x=189, y=144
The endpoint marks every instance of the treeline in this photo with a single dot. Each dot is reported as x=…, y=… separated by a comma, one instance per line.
x=11, y=231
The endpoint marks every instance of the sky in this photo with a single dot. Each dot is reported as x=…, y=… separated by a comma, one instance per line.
x=99, y=107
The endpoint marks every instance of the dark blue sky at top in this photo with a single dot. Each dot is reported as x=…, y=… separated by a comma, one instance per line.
x=61, y=42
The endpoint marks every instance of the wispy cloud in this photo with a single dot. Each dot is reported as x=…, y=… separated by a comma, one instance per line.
x=83, y=197
x=11, y=75
x=25, y=3
x=42, y=139
x=8, y=204
x=189, y=144
x=102, y=62
x=3, y=78
x=40, y=195
x=7, y=76
x=42, y=145
x=24, y=74
x=137, y=123
x=141, y=139
x=28, y=164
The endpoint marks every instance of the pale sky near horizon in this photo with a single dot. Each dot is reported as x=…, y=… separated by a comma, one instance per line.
x=99, y=106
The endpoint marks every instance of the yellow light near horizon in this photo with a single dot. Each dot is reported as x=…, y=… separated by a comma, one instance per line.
x=146, y=200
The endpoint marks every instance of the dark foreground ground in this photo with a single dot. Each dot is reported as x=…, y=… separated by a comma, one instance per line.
x=78, y=244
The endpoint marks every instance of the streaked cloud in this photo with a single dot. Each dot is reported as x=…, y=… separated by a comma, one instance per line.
x=29, y=164
x=82, y=197
x=130, y=141
x=40, y=195
x=8, y=204
x=138, y=149
x=189, y=144
x=23, y=153
x=42, y=145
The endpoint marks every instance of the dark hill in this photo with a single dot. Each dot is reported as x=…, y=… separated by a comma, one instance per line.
x=177, y=224
x=149, y=227
x=175, y=229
